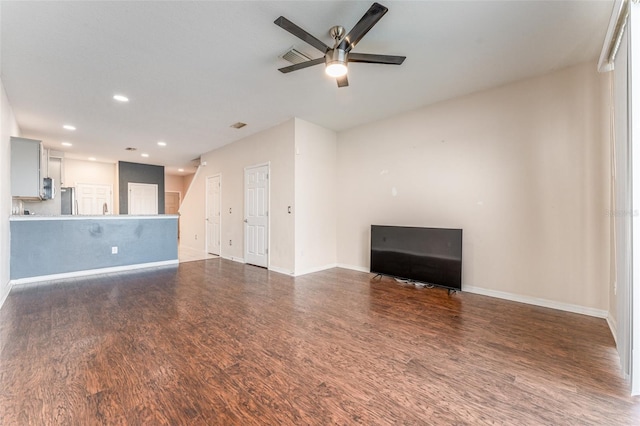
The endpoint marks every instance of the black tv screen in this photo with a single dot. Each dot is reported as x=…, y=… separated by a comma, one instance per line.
x=426, y=255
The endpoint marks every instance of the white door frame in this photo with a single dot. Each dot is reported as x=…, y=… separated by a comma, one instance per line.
x=206, y=213
x=244, y=201
x=633, y=25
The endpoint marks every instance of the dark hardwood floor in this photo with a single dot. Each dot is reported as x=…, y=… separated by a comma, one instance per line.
x=217, y=342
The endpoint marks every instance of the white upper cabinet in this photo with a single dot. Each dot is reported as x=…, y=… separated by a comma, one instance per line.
x=26, y=168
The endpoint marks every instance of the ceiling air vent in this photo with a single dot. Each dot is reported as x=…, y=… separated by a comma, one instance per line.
x=238, y=125
x=130, y=149
x=295, y=56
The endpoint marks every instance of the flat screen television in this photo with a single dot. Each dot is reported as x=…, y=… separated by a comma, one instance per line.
x=426, y=255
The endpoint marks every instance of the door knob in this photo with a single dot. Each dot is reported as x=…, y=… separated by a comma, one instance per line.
x=246, y=221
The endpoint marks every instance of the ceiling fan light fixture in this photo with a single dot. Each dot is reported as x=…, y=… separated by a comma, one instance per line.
x=336, y=63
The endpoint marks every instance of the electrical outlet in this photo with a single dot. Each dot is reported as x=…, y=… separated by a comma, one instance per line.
x=230, y=242
x=114, y=250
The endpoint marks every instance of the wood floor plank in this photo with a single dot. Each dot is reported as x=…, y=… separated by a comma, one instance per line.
x=218, y=342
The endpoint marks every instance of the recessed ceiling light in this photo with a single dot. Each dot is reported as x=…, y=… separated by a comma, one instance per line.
x=145, y=155
x=181, y=170
x=238, y=125
x=160, y=143
x=120, y=98
x=66, y=144
x=69, y=127
x=92, y=158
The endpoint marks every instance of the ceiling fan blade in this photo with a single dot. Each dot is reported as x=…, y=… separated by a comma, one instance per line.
x=301, y=65
x=286, y=24
x=342, y=81
x=376, y=59
x=368, y=20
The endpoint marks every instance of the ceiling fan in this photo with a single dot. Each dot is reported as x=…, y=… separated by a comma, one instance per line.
x=337, y=57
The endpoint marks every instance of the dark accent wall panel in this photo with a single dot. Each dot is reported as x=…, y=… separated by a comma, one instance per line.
x=139, y=173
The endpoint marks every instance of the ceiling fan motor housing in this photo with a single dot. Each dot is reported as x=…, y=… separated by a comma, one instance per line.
x=336, y=63
x=336, y=56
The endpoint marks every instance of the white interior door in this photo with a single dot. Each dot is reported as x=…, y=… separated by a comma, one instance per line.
x=93, y=199
x=171, y=202
x=143, y=198
x=256, y=213
x=214, y=189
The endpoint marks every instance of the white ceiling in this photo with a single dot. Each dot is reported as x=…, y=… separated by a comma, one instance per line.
x=191, y=69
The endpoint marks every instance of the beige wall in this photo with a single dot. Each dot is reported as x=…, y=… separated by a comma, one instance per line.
x=8, y=128
x=92, y=172
x=187, y=179
x=276, y=146
x=177, y=183
x=523, y=169
x=315, y=197
x=192, y=213
x=89, y=172
x=174, y=183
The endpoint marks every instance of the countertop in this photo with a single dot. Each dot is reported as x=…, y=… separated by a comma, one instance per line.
x=35, y=217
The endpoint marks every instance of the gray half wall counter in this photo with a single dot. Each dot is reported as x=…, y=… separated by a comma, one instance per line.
x=46, y=246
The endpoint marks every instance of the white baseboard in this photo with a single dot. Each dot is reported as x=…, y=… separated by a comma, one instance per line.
x=315, y=269
x=613, y=326
x=235, y=259
x=298, y=274
x=281, y=270
x=87, y=272
x=4, y=296
x=353, y=267
x=545, y=303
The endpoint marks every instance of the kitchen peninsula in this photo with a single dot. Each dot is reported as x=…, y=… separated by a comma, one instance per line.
x=52, y=247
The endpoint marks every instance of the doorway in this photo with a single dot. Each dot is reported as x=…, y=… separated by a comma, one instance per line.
x=93, y=199
x=171, y=202
x=143, y=198
x=213, y=219
x=256, y=214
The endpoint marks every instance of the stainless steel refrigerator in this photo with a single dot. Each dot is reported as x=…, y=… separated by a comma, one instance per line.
x=68, y=200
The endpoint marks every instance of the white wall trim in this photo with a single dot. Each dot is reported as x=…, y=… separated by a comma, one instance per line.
x=195, y=176
x=353, y=267
x=545, y=303
x=3, y=297
x=611, y=321
x=87, y=272
x=315, y=269
x=235, y=259
x=281, y=271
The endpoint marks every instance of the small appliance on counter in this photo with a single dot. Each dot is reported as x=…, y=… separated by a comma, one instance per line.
x=48, y=189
